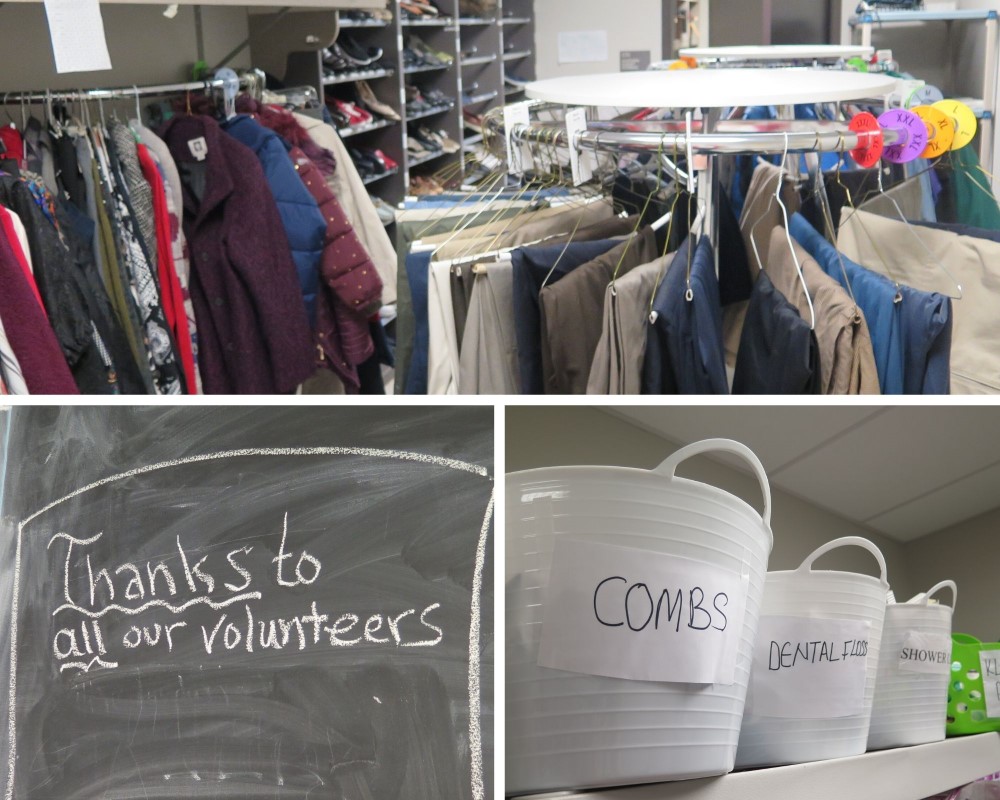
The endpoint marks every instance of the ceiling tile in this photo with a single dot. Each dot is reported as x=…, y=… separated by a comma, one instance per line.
x=942, y=508
x=895, y=458
x=776, y=434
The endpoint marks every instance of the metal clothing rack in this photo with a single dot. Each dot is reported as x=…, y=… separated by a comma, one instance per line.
x=129, y=92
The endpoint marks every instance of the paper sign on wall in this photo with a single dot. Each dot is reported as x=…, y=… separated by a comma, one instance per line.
x=581, y=47
x=925, y=652
x=626, y=613
x=76, y=28
x=809, y=668
x=989, y=661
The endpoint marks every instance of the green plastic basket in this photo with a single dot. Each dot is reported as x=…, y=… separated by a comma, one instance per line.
x=966, y=700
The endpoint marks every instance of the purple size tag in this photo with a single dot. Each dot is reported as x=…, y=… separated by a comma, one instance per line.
x=914, y=133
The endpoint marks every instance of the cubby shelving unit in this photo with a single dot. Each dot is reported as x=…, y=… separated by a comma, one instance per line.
x=486, y=49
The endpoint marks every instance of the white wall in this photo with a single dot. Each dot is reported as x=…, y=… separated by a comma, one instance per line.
x=630, y=25
x=969, y=554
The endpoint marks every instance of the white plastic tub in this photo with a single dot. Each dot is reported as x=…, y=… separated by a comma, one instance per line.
x=911, y=693
x=788, y=736
x=567, y=730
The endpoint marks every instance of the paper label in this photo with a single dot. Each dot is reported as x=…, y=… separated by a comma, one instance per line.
x=581, y=47
x=989, y=661
x=198, y=148
x=518, y=155
x=581, y=163
x=632, y=614
x=809, y=668
x=76, y=28
x=925, y=652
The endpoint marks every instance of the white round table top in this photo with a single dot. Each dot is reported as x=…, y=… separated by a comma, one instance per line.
x=711, y=88
x=778, y=52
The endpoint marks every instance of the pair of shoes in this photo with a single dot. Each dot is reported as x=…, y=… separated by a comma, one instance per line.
x=418, y=9
x=386, y=213
x=348, y=51
x=366, y=95
x=477, y=8
x=421, y=54
x=439, y=139
x=421, y=185
x=372, y=162
x=380, y=16
x=355, y=116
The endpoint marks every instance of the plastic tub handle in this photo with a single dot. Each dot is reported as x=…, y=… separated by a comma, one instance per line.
x=926, y=596
x=847, y=541
x=669, y=466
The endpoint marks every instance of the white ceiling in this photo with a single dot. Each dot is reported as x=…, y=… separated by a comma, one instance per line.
x=901, y=471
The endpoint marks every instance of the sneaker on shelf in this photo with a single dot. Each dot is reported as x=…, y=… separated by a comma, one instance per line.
x=361, y=54
x=387, y=162
x=448, y=144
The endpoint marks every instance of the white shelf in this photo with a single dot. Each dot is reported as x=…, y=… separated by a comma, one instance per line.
x=712, y=88
x=778, y=52
x=906, y=773
x=891, y=17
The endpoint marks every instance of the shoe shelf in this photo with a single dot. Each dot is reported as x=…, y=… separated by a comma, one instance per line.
x=369, y=179
x=429, y=68
x=354, y=130
x=353, y=23
x=506, y=26
x=416, y=162
x=429, y=113
x=437, y=22
x=487, y=59
x=484, y=97
x=516, y=55
x=360, y=75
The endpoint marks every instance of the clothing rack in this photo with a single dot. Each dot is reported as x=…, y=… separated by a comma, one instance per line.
x=732, y=137
x=128, y=92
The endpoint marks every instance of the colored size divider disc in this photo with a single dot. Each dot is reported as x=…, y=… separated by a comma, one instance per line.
x=926, y=95
x=867, y=154
x=914, y=133
x=964, y=119
x=942, y=137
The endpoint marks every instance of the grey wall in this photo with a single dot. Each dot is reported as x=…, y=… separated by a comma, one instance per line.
x=736, y=22
x=555, y=436
x=145, y=46
x=969, y=554
x=633, y=25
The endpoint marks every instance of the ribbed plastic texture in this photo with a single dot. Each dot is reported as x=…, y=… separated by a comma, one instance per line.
x=909, y=707
x=769, y=741
x=567, y=730
x=966, y=701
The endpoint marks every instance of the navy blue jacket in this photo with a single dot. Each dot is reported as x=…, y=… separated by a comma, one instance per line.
x=300, y=215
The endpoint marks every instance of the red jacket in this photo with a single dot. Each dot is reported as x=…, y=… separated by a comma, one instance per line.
x=351, y=287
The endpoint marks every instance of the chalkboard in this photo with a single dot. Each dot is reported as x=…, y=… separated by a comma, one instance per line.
x=247, y=603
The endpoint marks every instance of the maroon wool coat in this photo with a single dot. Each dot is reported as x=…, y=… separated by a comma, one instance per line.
x=351, y=288
x=28, y=330
x=253, y=331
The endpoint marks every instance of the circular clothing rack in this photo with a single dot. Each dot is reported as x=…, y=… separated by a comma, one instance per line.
x=712, y=88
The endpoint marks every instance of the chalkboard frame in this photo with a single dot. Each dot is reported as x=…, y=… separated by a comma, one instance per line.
x=475, y=730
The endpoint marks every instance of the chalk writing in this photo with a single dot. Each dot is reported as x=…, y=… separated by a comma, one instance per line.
x=220, y=583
